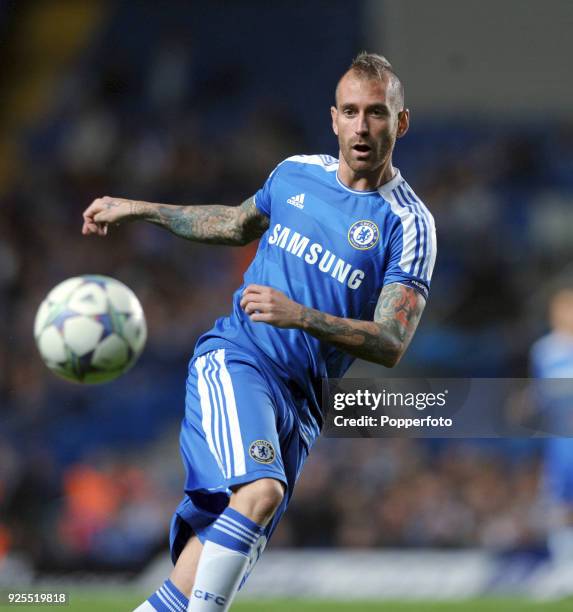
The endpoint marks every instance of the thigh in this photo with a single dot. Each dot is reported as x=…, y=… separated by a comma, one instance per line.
x=230, y=431
x=238, y=427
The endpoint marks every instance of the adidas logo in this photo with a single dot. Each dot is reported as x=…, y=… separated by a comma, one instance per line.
x=297, y=200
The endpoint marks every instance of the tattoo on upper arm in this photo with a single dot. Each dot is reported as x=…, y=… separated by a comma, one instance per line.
x=399, y=308
x=253, y=222
x=214, y=223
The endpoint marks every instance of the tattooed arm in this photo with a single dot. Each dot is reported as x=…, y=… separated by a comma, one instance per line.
x=383, y=340
x=213, y=224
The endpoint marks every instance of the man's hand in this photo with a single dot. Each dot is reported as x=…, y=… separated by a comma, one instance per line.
x=210, y=224
x=271, y=306
x=107, y=211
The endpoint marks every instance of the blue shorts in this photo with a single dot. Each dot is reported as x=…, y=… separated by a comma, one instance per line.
x=239, y=426
x=559, y=470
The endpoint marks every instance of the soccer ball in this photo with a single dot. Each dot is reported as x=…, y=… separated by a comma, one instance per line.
x=90, y=329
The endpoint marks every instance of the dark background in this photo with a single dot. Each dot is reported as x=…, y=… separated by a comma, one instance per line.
x=188, y=102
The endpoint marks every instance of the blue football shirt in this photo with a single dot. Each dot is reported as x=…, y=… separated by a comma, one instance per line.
x=552, y=358
x=331, y=248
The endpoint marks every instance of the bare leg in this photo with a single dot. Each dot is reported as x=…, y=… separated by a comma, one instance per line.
x=183, y=574
x=256, y=500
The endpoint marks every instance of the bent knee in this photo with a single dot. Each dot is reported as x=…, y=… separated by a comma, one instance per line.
x=259, y=500
x=268, y=492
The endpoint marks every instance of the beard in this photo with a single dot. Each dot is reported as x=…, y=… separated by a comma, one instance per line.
x=368, y=161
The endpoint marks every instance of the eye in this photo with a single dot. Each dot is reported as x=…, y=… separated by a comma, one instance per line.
x=348, y=112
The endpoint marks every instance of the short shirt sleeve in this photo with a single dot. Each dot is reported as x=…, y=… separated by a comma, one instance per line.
x=263, y=196
x=412, y=252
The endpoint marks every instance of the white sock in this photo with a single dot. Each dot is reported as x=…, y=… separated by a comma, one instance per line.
x=223, y=561
x=167, y=598
x=145, y=607
x=219, y=574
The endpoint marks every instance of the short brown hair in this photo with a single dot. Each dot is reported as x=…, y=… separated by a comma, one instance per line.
x=373, y=66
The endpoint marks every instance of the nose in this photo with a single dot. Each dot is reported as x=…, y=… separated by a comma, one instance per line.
x=361, y=126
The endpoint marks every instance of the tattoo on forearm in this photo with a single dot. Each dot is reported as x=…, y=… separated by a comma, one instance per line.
x=383, y=340
x=214, y=224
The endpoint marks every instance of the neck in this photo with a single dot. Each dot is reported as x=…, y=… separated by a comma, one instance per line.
x=365, y=181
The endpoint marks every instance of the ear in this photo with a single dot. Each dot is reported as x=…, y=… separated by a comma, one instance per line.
x=403, y=122
x=334, y=115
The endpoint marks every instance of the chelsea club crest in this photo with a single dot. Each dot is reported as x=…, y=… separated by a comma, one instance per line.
x=262, y=451
x=363, y=235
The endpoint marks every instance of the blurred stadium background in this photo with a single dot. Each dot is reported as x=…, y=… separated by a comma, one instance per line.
x=195, y=102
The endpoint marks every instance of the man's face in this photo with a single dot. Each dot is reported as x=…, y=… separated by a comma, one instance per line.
x=367, y=121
